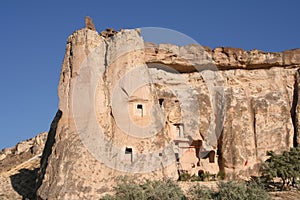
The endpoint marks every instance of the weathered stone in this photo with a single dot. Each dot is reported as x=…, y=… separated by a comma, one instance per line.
x=108, y=85
x=89, y=23
x=291, y=57
x=258, y=118
x=109, y=32
x=18, y=168
x=128, y=107
x=224, y=58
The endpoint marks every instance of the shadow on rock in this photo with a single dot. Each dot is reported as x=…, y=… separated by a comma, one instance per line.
x=24, y=183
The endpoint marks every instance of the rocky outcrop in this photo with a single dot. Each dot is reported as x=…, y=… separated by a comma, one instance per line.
x=261, y=97
x=18, y=168
x=225, y=58
x=23, y=151
x=132, y=107
x=109, y=32
x=89, y=23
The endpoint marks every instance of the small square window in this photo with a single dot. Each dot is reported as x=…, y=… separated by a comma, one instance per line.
x=128, y=150
x=128, y=154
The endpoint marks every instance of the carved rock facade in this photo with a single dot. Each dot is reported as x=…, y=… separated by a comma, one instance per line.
x=133, y=107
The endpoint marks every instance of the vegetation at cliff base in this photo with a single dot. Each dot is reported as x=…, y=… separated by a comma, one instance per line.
x=285, y=166
x=129, y=189
x=230, y=190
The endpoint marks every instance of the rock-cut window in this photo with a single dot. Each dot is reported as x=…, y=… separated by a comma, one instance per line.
x=128, y=154
x=139, y=108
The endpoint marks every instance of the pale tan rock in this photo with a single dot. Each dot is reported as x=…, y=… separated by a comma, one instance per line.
x=291, y=57
x=89, y=23
x=129, y=107
x=224, y=58
x=109, y=32
x=18, y=168
x=258, y=118
x=93, y=177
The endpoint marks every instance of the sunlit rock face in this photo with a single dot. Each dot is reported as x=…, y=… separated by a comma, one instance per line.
x=134, y=108
x=19, y=166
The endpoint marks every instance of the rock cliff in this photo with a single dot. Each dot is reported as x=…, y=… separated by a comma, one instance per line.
x=18, y=168
x=129, y=107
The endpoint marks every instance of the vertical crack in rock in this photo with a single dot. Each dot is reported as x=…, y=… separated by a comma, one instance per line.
x=105, y=55
x=294, y=109
x=253, y=114
x=254, y=133
x=106, y=89
x=70, y=60
x=221, y=162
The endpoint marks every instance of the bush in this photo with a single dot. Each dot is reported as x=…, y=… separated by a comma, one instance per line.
x=256, y=191
x=184, y=176
x=230, y=191
x=166, y=189
x=221, y=175
x=129, y=189
x=241, y=191
x=200, y=192
x=285, y=166
x=202, y=177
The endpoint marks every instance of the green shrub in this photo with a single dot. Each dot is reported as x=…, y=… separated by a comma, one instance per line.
x=221, y=175
x=196, y=178
x=256, y=191
x=241, y=191
x=165, y=189
x=231, y=191
x=184, y=176
x=107, y=197
x=200, y=192
x=285, y=166
x=202, y=177
x=129, y=189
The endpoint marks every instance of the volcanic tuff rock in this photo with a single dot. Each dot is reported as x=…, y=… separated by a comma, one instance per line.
x=255, y=92
x=89, y=23
x=19, y=166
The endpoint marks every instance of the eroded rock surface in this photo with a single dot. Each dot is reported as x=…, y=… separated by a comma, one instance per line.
x=89, y=23
x=129, y=107
x=18, y=168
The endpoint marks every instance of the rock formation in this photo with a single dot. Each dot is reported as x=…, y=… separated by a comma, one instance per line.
x=89, y=23
x=132, y=107
x=18, y=168
x=109, y=32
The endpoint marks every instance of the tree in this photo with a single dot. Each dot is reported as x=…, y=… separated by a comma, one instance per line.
x=285, y=166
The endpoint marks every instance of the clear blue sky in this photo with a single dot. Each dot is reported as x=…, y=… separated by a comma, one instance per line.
x=34, y=34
